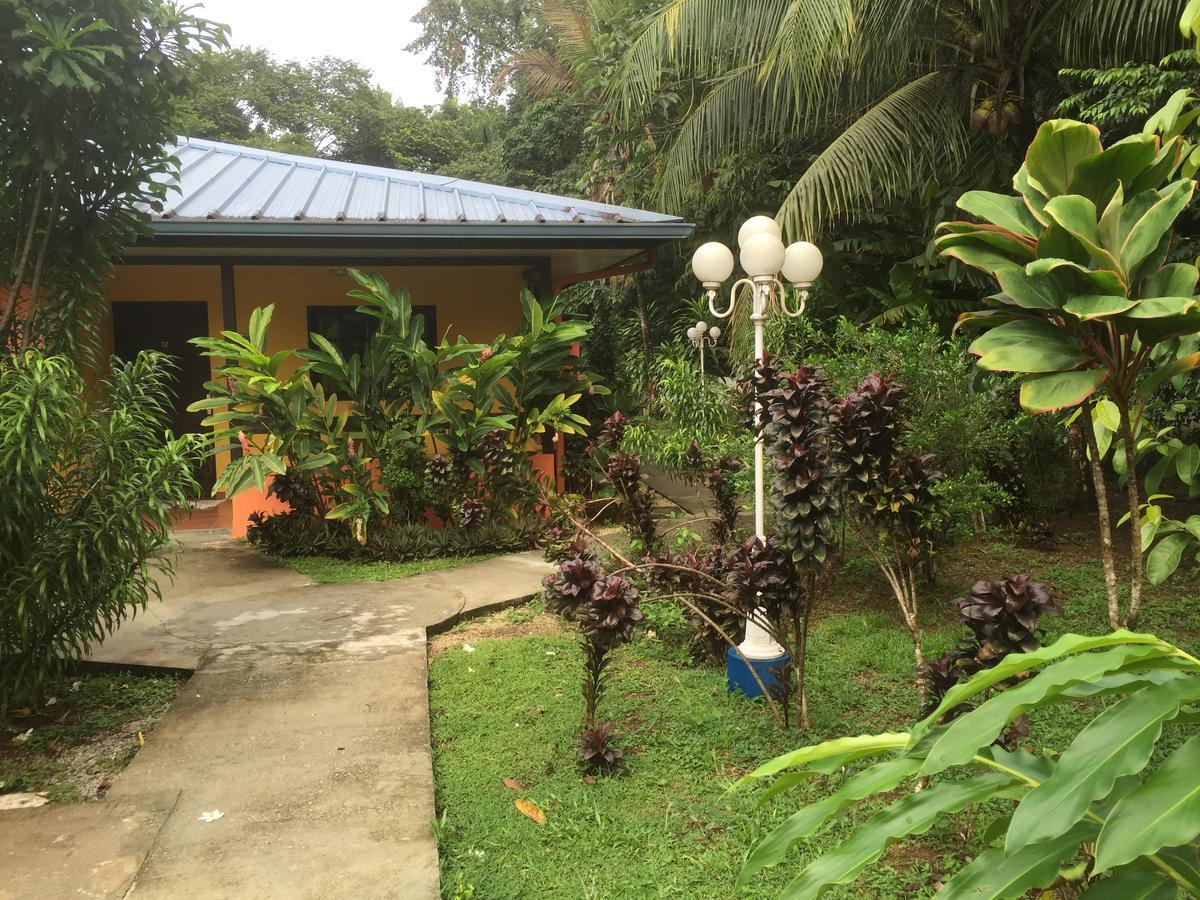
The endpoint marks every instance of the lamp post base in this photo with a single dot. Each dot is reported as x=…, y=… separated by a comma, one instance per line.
x=773, y=673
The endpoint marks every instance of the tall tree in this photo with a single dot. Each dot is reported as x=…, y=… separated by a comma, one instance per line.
x=894, y=94
x=86, y=102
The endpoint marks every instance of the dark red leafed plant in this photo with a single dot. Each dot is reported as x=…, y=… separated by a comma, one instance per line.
x=624, y=472
x=889, y=493
x=805, y=497
x=606, y=609
x=1003, y=618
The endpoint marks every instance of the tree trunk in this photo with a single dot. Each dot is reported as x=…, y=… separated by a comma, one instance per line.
x=1105, y=521
x=647, y=347
x=1136, y=563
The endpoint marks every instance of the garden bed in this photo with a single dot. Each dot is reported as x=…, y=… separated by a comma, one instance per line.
x=85, y=732
x=508, y=708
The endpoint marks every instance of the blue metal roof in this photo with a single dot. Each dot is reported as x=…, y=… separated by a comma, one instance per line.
x=227, y=182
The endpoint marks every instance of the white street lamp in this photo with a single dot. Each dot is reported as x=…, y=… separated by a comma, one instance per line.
x=764, y=259
x=702, y=336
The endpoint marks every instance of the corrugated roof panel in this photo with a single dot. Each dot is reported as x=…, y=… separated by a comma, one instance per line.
x=225, y=181
x=235, y=171
x=367, y=201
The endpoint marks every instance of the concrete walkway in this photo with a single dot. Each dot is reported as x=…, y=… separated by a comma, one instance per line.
x=306, y=724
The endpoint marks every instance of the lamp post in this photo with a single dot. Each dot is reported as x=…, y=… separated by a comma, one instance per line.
x=764, y=259
x=702, y=336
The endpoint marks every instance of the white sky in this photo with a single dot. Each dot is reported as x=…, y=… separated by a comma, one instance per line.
x=373, y=33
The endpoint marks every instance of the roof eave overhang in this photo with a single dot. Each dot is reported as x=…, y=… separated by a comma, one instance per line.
x=410, y=235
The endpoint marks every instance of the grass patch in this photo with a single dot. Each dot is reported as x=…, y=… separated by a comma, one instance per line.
x=671, y=827
x=327, y=569
x=82, y=735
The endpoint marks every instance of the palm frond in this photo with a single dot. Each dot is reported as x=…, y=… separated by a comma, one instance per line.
x=573, y=24
x=700, y=38
x=539, y=71
x=739, y=109
x=1110, y=32
x=909, y=136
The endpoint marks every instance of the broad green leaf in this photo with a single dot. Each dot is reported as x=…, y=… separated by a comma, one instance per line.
x=1187, y=462
x=1067, y=645
x=1165, y=556
x=1012, y=334
x=1004, y=210
x=982, y=725
x=1017, y=250
x=1059, y=390
x=1150, y=228
x=979, y=256
x=880, y=777
x=1108, y=414
x=910, y=815
x=1059, y=146
x=1140, y=882
x=1077, y=216
x=1097, y=306
x=1118, y=742
x=865, y=744
x=1104, y=281
x=1172, y=280
x=1163, y=812
x=995, y=875
x=1028, y=292
x=1161, y=307
x=1035, y=199
x=1034, y=356
x=1098, y=177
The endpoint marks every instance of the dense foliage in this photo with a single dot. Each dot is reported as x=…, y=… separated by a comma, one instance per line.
x=89, y=481
x=477, y=406
x=86, y=99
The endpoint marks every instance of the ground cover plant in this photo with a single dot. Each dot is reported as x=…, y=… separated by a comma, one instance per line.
x=509, y=710
x=81, y=734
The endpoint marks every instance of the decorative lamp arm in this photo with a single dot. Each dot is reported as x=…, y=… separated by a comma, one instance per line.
x=802, y=291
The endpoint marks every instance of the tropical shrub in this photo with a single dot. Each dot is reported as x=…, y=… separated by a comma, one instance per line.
x=88, y=489
x=687, y=407
x=1086, y=292
x=888, y=492
x=606, y=608
x=1115, y=814
x=349, y=434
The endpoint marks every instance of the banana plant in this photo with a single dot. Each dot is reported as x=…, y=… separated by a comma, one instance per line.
x=1116, y=813
x=1079, y=254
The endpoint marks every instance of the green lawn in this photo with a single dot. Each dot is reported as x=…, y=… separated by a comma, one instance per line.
x=82, y=735
x=342, y=571
x=672, y=827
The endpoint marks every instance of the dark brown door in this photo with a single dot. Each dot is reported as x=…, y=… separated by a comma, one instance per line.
x=167, y=326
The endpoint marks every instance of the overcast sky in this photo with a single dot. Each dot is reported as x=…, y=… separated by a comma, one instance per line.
x=373, y=33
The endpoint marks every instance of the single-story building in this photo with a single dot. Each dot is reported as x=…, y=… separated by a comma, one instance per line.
x=244, y=227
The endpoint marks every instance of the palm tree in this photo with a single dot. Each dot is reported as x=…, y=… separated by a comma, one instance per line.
x=891, y=95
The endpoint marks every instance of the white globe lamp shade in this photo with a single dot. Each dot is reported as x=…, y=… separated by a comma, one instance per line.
x=714, y=332
x=802, y=263
x=762, y=254
x=701, y=326
x=712, y=263
x=758, y=225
